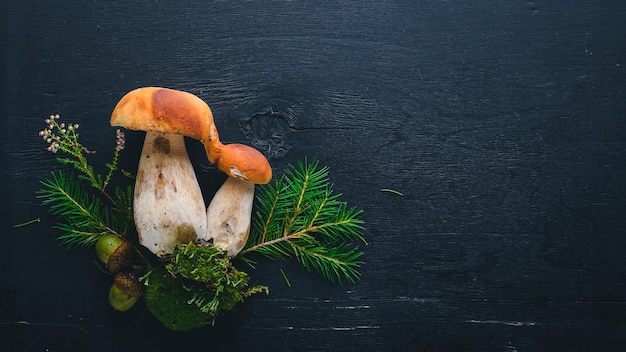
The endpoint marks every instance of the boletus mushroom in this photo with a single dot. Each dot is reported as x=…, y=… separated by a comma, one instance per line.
x=230, y=210
x=168, y=203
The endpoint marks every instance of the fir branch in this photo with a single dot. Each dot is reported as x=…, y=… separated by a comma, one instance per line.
x=86, y=219
x=332, y=263
x=300, y=216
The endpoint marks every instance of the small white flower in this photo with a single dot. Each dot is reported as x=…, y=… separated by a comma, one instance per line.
x=120, y=140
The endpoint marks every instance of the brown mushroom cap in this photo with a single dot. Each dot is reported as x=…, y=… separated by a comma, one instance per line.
x=244, y=162
x=169, y=111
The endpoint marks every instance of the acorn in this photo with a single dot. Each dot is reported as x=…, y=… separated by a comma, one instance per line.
x=114, y=252
x=125, y=291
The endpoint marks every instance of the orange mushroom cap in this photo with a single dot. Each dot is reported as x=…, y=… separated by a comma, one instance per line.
x=168, y=111
x=244, y=162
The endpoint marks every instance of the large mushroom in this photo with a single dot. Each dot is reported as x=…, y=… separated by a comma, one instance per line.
x=230, y=210
x=168, y=204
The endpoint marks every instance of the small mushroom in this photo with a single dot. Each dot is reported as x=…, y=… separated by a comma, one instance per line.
x=168, y=203
x=230, y=210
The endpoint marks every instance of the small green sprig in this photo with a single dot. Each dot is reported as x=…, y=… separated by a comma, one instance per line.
x=300, y=216
x=86, y=217
x=63, y=138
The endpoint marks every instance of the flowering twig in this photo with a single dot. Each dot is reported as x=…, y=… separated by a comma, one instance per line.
x=64, y=138
x=86, y=218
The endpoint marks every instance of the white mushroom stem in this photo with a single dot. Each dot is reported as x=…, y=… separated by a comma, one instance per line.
x=229, y=214
x=168, y=203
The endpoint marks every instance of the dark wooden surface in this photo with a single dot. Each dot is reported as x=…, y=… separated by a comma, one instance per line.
x=501, y=122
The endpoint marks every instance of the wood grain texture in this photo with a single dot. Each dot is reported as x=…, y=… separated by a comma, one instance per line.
x=502, y=123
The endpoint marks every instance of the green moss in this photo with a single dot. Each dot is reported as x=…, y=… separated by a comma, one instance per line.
x=166, y=298
x=199, y=285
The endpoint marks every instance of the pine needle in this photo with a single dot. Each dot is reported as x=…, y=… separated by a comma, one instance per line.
x=29, y=222
x=285, y=278
x=389, y=190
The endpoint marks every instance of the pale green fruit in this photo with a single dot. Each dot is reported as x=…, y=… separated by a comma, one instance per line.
x=125, y=291
x=114, y=252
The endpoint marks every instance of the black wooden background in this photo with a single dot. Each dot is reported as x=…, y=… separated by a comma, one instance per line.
x=501, y=122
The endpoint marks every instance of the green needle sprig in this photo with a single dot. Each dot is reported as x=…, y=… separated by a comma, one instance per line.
x=300, y=216
x=85, y=217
